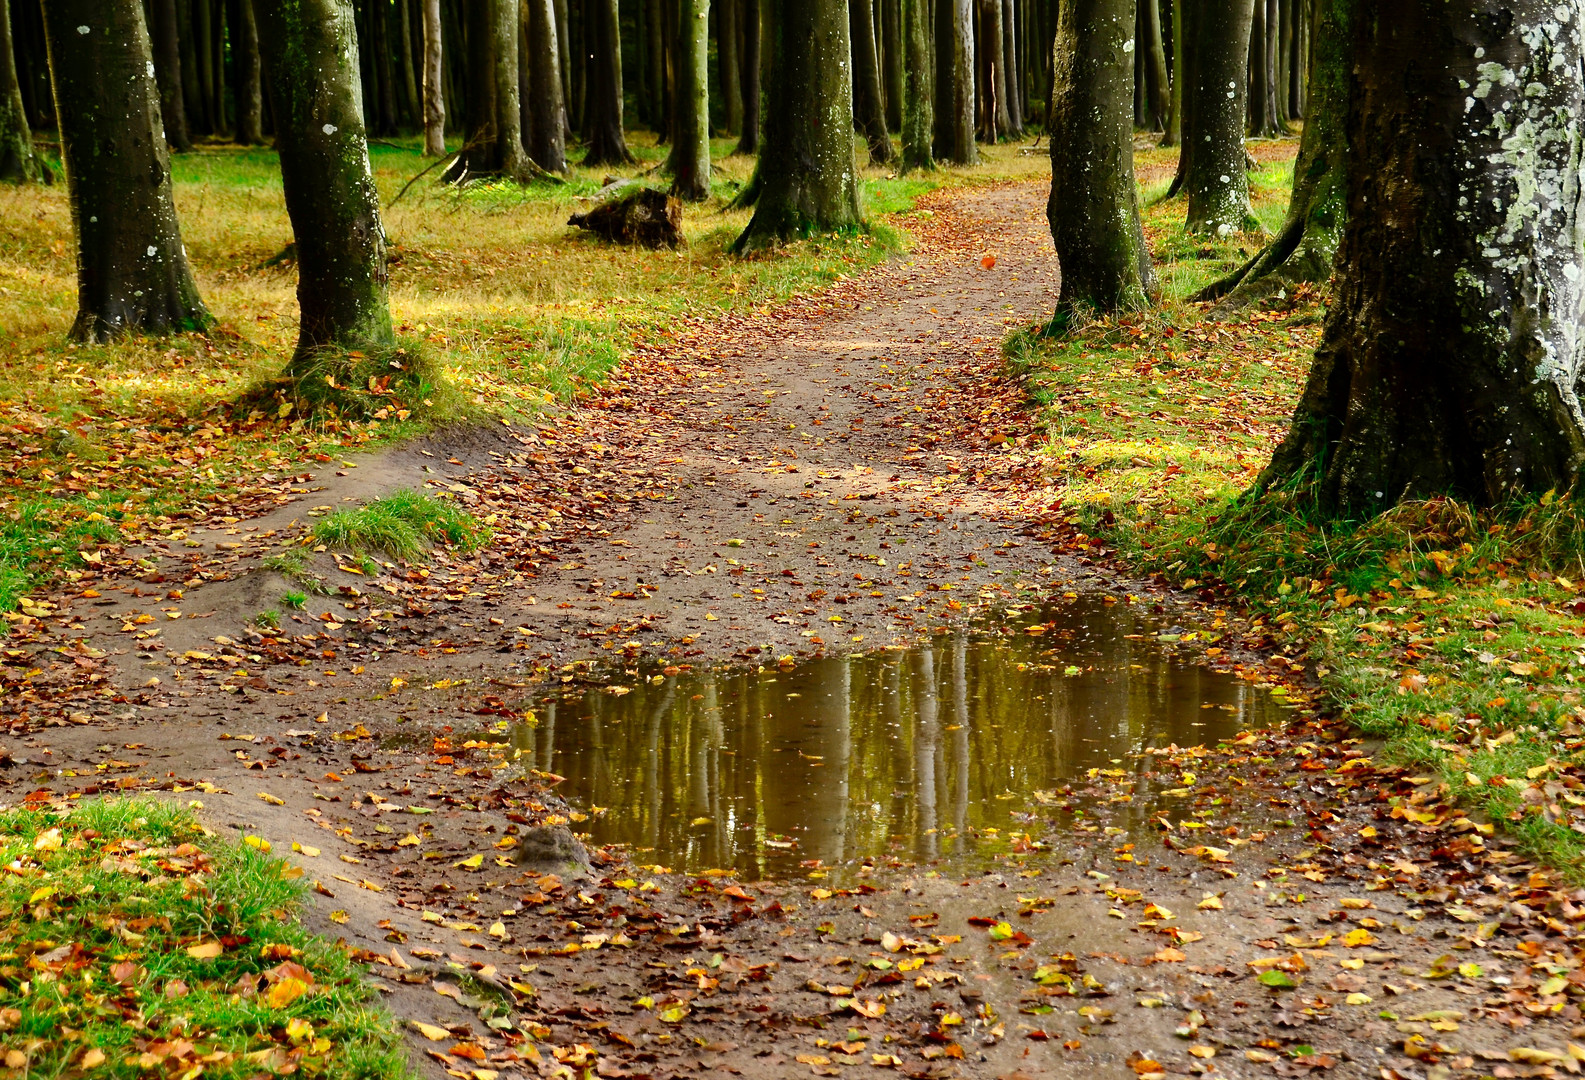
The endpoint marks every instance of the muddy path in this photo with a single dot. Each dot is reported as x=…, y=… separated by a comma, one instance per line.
x=841, y=474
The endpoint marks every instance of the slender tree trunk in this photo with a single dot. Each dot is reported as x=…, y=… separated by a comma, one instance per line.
x=690, y=146
x=994, y=34
x=247, y=87
x=1261, y=125
x=731, y=76
x=807, y=180
x=315, y=89
x=1156, y=78
x=1173, y=136
x=404, y=30
x=168, y=70
x=748, y=143
x=1093, y=208
x=192, y=96
x=892, y=62
x=918, y=93
x=547, y=113
x=506, y=28
x=454, y=72
x=132, y=271
x=384, y=77
x=1450, y=363
x=1217, y=184
x=1011, y=99
x=18, y=163
x=1274, y=73
x=564, y=47
x=217, y=49
x=868, y=113
x=954, y=36
x=1140, y=78
x=482, y=153
x=202, y=30
x=434, y=96
x=602, y=32
x=655, y=47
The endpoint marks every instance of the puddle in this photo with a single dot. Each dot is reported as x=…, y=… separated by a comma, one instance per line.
x=936, y=752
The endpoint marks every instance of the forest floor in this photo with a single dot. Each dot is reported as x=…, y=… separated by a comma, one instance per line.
x=844, y=471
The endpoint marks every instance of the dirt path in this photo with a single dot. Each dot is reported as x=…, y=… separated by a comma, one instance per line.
x=838, y=474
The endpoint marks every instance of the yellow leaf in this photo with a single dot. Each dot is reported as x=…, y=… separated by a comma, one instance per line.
x=206, y=950
x=1355, y=938
x=285, y=992
x=1203, y=1051
x=257, y=843
x=1359, y=999
x=472, y=862
x=273, y=800
x=92, y=1058
x=49, y=840
x=430, y=1031
x=305, y=849
x=1210, y=903
x=339, y=917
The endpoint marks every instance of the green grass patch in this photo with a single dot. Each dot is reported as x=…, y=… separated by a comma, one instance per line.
x=403, y=525
x=133, y=943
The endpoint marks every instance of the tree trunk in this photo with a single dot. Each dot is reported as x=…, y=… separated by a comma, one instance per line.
x=1156, y=77
x=1217, y=184
x=996, y=67
x=217, y=50
x=192, y=96
x=954, y=35
x=404, y=30
x=434, y=96
x=1274, y=72
x=690, y=145
x=602, y=33
x=1450, y=363
x=1093, y=208
x=868, y=113
x=1262, y=124
x=748, y=143
x=384, y=77
x=655, y=47
x=806, y=179
x=482, y=144
x=1173, y=135
x=1011, y=68
x=731, y=75
x=1306, y=245
x=202, y=31
x=247, y=87
x=18, y=163
x=892, y=62
x=132, y=271
x=918, y=94
x=564, y=51
x=506, y=27
x=547, y=113
x=454, y=80
x=168, y=72
x=312, y=66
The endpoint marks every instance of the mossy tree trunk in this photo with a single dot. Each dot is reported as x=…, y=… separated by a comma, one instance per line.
x=434, y=82
x=1451, y=361
x=603, y=118
x=1217, y=184
x=132, y=271
x=749, y=141
x=1306, y=245
x=806, y=180
x=918, y=91
x=869, y=114
x=546, y=129
x=690, y=147
x=954, y=82
x=506, y=26
x=163, y=26
x=317, y=101
x=1093, y=209
x=18, y=163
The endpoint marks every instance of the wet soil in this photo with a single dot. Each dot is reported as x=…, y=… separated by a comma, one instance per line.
x=844, y=473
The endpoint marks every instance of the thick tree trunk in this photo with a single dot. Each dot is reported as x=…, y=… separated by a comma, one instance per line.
x=132, y=271
x=482, y=145
x=1012, y=69
x=547, y=113
x=1173, y=135
x=1157, y=80
x=1093, y=208
x=1306, y=245
x=918, y=93
x=1451, y=361
x=892, y=62
x=168, y=71
x=954, y=35
x=18, y=163
x=748, y=143
x=247, y=86
x=690, y=147
x=807, y=179
x=1217, y=184
x=869, y=114
x=434, y=94
x=506, y=27
x=315, y=90
x=404, y=33
x=602, y=32
x=731, y=75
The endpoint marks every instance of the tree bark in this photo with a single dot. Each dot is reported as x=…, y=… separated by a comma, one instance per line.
x=247, y=87
x=1451, y=359
x=564, y=50
x=404, y=33
x=690, y=146
x=192, y=97
x=202, y=32
x=655, y=47
x=434, y=95
x=731, y=75
x=806, y=179
x=1001, y=121
x=892, y=62
x=748, y=142
x=506, y=28
x=315, y=91
x=1156, y=77
x=168, y=72
x=602, y=32
x=1093, y=209
x=18, y=163
x=918, y=93
x=1217, y=184
x=132, y=271
x=869, y=114
x=1173, y=135
x=1011, y=69
x=547, y=113
x=1305, y=247
x=1262, y=124
x=954, y=36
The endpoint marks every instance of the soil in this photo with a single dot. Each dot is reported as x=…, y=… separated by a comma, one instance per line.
x=848, y=471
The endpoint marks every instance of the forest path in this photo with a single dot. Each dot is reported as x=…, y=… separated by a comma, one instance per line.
x=856, y=452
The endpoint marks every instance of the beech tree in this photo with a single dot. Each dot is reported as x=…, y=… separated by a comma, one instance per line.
x=311, y=59
x=434, y=92
x=690, y=146
x=918, y=93
x=248, y=86
x=603, y=114
x=1093, y=208
x=545, y=112
x=18, y=163
x=748, y=142
x=132, y=271
x=168, y=70
x=806, y=180
x=1215, y=104
x=869, y=114
x=954, y=82
x=1450, y=361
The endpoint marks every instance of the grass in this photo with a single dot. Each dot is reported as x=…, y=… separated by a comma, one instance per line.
x=500, y=308
x=1453, y=637
x=403, y=525
x=133, y=942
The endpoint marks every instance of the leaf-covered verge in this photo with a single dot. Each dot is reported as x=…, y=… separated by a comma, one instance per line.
x=134, y=943
x=501, y=310
x=1452, y=636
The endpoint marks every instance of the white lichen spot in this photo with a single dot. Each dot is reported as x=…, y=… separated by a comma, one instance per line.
x=83, y=30
x=330, y=129
x=1224, y=229
x=1128, y=46
x=1224, y=178
x=153, y=251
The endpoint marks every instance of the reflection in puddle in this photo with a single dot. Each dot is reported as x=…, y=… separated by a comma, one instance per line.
x=932, y=752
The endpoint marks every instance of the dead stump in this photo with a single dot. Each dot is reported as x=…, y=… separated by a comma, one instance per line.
x=645, y=217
